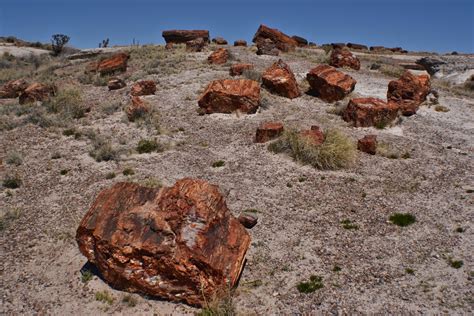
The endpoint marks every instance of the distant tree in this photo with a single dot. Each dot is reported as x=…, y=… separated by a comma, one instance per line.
x=57, y=42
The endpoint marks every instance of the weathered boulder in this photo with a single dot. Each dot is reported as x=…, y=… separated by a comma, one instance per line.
x=227, y=96
x=144, y=87
x=357, y=46
x=116, y=63
x=219, y=56
x=280, y=79
x=184, y=36
x=196, y=45
x=282, y=41
x=314, y=135
x=37, y=92
x=267, y=47
x=247, y=220
x=13, y=88
x=378, y=49
x=430, y=64
x=330, y=84
x=365, y=112
x=344, y=58
x=138, y=108
x=338, y=45
x=116, y=83
x=178, y=243
x=219, y=41
x=409, y=91
x=368, y=144
x=300, y=41
x=268, y=131
x=240, y=43
x=169, y=46
x=238, y=69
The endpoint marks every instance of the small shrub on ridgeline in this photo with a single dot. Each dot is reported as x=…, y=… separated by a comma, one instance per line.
x=58, y=41
x=337, y=150
x=402, y=219
x=315, y=283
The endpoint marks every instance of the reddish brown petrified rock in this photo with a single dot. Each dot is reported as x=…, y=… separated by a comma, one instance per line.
x=227, y=96
x=267, y=47
x=368, y=144
x=409, y=91
x=301, y=42
x=137, y=109
x=219, y=41
x=13, y=88
x=247, y=220
x=116, y=83
x=280, y=79
x=183, y=36
x=219, y=57
x=238, y=69
x=282, y=41
x=37, y=92
x=116, y=63
x=364, y=112
x=314, y=135
x=196, y=45
x=169, y=46
x=144, y=87
x=344, y=58
x=268, y=131
x=179, y=243
x=91, y=67
x=330, y=84
x=357, y=46
x=240, y=43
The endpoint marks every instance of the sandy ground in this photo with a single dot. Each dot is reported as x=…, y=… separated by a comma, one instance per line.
x=300, y=208
x=21, y=51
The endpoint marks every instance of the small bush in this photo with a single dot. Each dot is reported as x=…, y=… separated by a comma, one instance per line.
x=409, y=271
x=103, y=150
x=64, y=172
x=314, y=283
x=69, y=132
x=104, y=297
x=218, y=163
x=129, y=300
x=252, y=75
x=128, y=172
x=12, y=182
x=456, y=264
x=68, y=103
x=441, y=108
x=14, y=158
x=221, y=304
x=347, y=224
x=110, y=175
x=58, y=42
x=148, y=146
x=392, y=70
x=8, y=217
x=402, y=219
x=86, y=276
x=337, y=151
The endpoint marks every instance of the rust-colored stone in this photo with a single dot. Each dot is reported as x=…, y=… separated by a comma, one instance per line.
x=365, y=112
x=179, y=243
x=280, y=79
x=144, y=87
x=247, y=220
x=267, y=47
x=116, y=63
x=116, y=83
x=268, y=131
x=409, y=91
x=37, y=92
x=330, y=84
x=196, y=45
x=314, y=135
x=344, y=58
x=368, y=144
x=227, y=96
x=13, y=88
x=238, y=69
x=219, y=41
x=282, y=41
x=240, y=43
x=219, y=57
x=138, y=108
x=183, y=36
x=300, y=41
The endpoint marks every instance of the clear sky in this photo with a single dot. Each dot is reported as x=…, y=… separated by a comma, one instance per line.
x=429, y=25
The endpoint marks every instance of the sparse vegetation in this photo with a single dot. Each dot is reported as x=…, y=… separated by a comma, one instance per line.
x=128, y=172
x=218, y=163
x=104, y=297
x=441, y=108
x=103, y=150
x=221, y=304
x=456, y=264
x=347, y=224
x=86, y=276
x=252, y=74
x=12, y=181
x=8, y=217
x=315, y=283
x=409, y=271
x=149, y=146
x=402, y=219
x=14, y=158
x=110, y=175
x=58, y=42
x=391, y=70
x=129, y=300
x=68, y=103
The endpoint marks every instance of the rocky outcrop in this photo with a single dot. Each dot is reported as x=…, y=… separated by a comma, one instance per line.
x=196, y=45
x=115, y=84
x=13, y=88
x=357, y=46
x=314, y=136
x=268, y=131
x=368, y=144
x=183, y=36
x=431, y=64
x=137, y=109
x=37, y=92
x=282, y=41
x=240, y=43
x=280, y=79
x=219, y=41
x=365, y=112
x=116, y=63
x=144, y=87
x=409, y=91
x=344, y=58
x=238, y=69
x=227, y=96
x=178, y=243
x=267, y=47
x=330, y=84
x=219, y=57
x=300, y=41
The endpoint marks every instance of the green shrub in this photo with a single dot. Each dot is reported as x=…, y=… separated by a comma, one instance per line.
x=148, y=146
x=86, y=276
x=402, y=219
x=218, y=163
x=104, y=297
x=12, y=182
x=128, y=172
x=314, y=283
x=103, y=150
x=347, y=224
x=456, y=264
x=129, y=300
x=14, y=158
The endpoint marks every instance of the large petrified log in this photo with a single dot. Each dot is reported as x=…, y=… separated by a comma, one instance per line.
x=282, y=41
x=183, y=36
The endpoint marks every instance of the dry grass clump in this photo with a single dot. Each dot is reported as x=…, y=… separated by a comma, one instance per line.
x=252, y=74
x=311, y=55
x=68, y=103
x=221, y=304
x=102, y=149
x=391, y=70
x=337, y=151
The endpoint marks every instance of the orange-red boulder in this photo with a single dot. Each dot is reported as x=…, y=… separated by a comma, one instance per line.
x=266, y=46
x=116, y=63
x=37, y=92
x=137, y=109
x=280, y=79
x=330, y=84
x=365, y=112
x=219, y=41
x=169, y=46
x=314, y=135
x=196, y=45
x=344, y=58
x=282, y=41
x=227, y=96
x=144, y=87
x=240, y=43
x=409, y=91
x=183, y=36
x=268, y=131
x=178, y=243
x=219, y=57
x=13, y=88
x=247, y=220
x=368, y=144
x=116, y=83
x=238, y=69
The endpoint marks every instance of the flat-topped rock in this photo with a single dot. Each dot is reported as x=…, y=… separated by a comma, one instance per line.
x=365, y=112
x=329, y=84
x=183, y=36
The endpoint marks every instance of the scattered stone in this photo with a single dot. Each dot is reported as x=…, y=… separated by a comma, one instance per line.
x=280, y=79
x=368, y=144
x=357, y=46
x=268, y=131
x=430, y=64
x=300, y=41
x=247, y=220
x=116, y=63
x=344, y=58
x=37, y=92
x=144, y=87
x=282, y=41
x=13, y=88
x=116, y=83
x=409, y=91
x=314, y=135
x=267, y=47
x=219, y=41
x=178, y=243
x=196, y=45
x=238, y=69
x=137, y=109
x=228, y=95
x=365, y=112
x=184, y=36
x=218, y=57
x=330, y=84
x=169, y=46
x=240, y=43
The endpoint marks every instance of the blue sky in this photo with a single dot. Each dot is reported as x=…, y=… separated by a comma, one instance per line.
x=436, y=25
